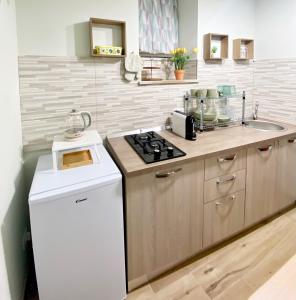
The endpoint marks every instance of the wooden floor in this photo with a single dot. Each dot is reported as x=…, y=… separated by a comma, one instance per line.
x=232, y=272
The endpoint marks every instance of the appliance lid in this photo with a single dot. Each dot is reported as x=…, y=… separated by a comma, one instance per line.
x=46, y=179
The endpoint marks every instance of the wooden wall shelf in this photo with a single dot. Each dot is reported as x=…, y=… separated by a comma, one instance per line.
x=165, y=82
x=104, y=32
x=237, y=47
x=108, y=56
x=218, y=40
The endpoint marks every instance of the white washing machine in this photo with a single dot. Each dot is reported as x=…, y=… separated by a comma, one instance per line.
x=77, y=231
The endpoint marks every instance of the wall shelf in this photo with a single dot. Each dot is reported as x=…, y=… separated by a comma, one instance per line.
x=104, y=32
x=108, y=56
x=218, y=40
x=164, y=82
x=241, y=54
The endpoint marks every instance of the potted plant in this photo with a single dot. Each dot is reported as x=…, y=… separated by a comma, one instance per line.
x=214, y=51
x=179, y=59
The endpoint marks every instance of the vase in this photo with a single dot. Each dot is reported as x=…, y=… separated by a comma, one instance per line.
x=179, y=74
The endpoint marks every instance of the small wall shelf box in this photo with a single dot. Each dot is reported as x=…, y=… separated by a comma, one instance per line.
x=243, y=49
x=215, y=40
x=109, y=33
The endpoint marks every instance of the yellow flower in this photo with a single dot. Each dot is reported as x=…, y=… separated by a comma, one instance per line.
x=195, y=50
x=173, y=51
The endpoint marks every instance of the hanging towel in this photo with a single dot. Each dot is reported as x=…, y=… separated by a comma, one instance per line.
x=133, y=66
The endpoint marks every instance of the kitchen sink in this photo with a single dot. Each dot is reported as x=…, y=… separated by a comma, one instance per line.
x=264, y=125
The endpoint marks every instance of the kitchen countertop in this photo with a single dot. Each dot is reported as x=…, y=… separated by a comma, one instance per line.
x=207, y=144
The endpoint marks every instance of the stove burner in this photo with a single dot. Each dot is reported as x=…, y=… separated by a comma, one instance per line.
x=151, y=147
x=143, y=137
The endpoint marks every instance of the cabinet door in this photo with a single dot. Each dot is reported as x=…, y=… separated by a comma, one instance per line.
x=260, y=184
x=223, y=218
x=164, y=216
x=286, y=173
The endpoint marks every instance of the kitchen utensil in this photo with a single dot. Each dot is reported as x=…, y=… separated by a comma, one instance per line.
x=206, y=117
x=212, y=93
x=201, y=93
x=227, y=90
x=78, y=122
x=223, y=119
x=193, y=92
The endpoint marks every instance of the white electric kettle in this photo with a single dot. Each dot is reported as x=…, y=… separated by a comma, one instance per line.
x=78, y=122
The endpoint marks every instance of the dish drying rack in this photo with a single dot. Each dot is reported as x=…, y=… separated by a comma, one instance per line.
x=222, y=106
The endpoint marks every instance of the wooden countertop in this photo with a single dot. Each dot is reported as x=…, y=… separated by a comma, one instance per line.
x=207, y=144
x=281, y=285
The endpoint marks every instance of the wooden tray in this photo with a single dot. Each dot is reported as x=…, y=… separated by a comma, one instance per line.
x=76, y=159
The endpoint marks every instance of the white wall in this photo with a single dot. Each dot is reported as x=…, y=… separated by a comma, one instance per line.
x=66, y=34
x=275, y=25
x=60, y=28
x=233, y=17
x=188, y=24
x=12, y=200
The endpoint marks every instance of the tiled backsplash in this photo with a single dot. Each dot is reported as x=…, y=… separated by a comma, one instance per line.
x=275, y=89
x=51, y=86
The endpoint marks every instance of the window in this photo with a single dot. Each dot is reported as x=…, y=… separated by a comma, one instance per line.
x=158, y=26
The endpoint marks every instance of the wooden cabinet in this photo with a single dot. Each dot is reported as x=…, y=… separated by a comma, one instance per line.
x=164, y=217
x=218, y=41
x=223, y=218
x=174, y=212
x=286, y=173
x=260, y=183
x=243, y=49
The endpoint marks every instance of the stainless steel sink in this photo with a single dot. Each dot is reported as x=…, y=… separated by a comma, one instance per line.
x=264, y=125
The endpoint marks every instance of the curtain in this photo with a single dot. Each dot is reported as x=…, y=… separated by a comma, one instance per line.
x=158, y=25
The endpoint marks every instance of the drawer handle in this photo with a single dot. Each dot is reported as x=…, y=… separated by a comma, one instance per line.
x=224, y=180
x=80, y=200
x=265, y=149
x=227, y=158
x=167, y=174
x=232, y=198
x=292, y=141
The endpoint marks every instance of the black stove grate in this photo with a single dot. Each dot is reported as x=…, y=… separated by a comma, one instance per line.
x=152, y=147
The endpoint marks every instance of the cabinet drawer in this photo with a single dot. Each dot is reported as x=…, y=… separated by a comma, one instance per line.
x=225, y=163
x=223, y=218
x=224, y=185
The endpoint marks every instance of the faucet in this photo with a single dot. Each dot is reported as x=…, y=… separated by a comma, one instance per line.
x=255, y=114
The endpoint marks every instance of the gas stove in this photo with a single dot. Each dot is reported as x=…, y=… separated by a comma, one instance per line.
x=151, y=147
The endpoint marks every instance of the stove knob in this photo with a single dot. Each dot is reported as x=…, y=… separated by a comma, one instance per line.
x=157, y=154
x=145, y=149
x=135, y=139
x=170, y=151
